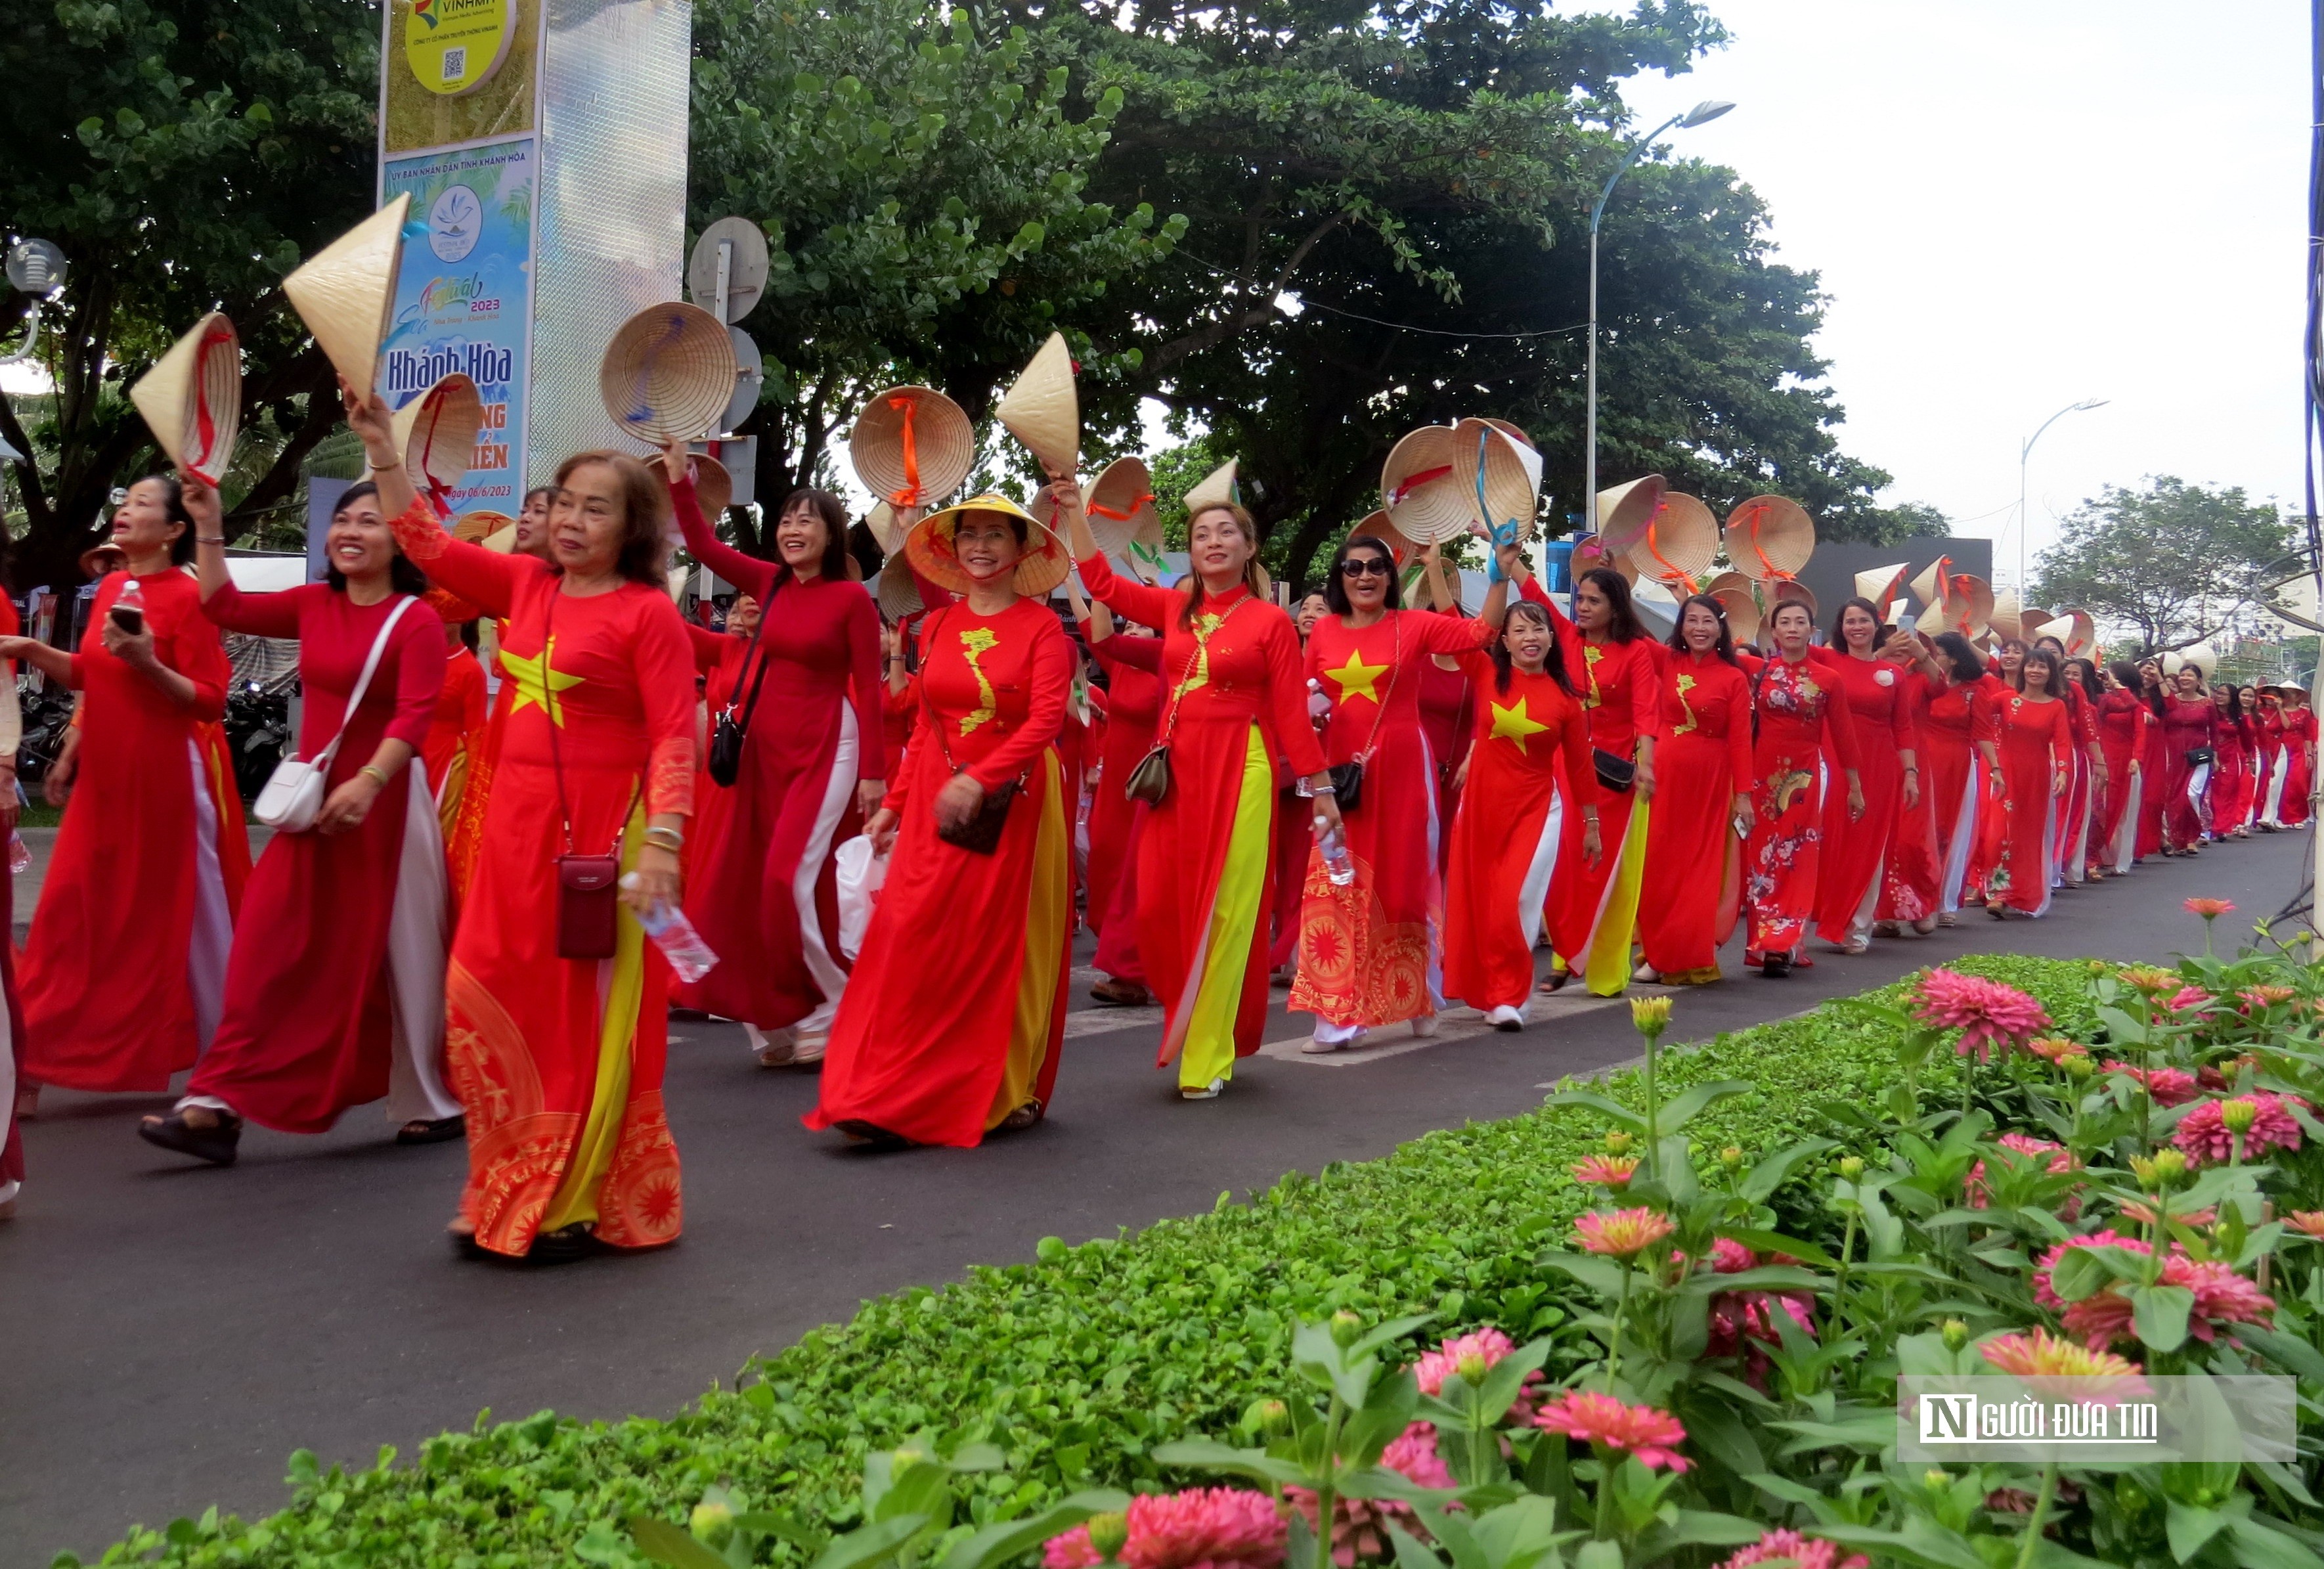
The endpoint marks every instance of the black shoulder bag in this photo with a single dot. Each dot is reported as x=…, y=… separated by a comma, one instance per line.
x=1347, y=778
x=727, y=735
x=981, y=834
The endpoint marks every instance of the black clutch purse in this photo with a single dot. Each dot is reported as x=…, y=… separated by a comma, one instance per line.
x=1348, y=784
x=1614, y=773
x=2197, y=756
x=981, y=834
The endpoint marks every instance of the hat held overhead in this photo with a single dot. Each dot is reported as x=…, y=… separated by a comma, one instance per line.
x=912, y=446
x=1042, y=409
x=668, y=374
x=191, y=399
x=346, y=291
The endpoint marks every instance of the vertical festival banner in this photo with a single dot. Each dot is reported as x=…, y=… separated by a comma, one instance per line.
x=459, y=120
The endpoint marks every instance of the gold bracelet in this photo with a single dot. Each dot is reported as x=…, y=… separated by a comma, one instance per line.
x=374, y=771
x=668, y=839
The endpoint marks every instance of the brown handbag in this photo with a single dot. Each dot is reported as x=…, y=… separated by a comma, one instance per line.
x=589, y=887
x=1149, y=781
x=981, y=834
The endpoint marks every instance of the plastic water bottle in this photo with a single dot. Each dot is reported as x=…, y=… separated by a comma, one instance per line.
x=130, y=599
x=690, y=956
x=1338, y=864
x=20, y=858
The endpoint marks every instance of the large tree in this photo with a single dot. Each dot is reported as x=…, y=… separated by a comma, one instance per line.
x=2173, y=563
x=184, y=153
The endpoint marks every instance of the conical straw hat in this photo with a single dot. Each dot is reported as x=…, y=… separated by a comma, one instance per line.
x=1881, y=586
x=1041, y=409
x=1378, y=527
x=899, y=595
x=2031, y=617
x=1499, y=473
x=1516, y=433
x=1769, y=536
x=1968, y=608
x=1421, y=487
x=669, y=374
x=1120, y=504
x=714, y=492
x=881, y=521
x=192, y=398
x=1590, y=552
x=1678, y=543
x=476, y=528
x=1043, y=566
x=346, y=291
x=1625, y=511
x=2002, y=619
x=2075, y=629
x=1221, y=487
x=912, y=446
x=1785, y=588
x=1930, y=586
x=1734, y=595
x=99, y=559
x=437, y=434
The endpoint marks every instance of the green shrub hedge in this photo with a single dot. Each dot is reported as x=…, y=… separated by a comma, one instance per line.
x=1075, y=1364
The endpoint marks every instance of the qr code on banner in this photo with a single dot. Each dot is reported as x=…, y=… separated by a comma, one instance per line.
x=455, y=63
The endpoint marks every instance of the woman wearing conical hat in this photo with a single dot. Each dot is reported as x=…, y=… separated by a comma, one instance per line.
x=1234, y=700
x=813, y=746
x=951, y=1024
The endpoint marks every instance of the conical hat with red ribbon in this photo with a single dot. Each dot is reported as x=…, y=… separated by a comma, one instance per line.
x=1968, y=605
x=192, y=398
x=1930, y=586
x=437, y=434
x=1043, y=566
x=2003, y=620
x=1590, y=552
x=1420, y=490
x=1678, y=543
x=1120, y=504
x=1770, y=537
x=1881, y=586
x=912, y=446
x=2075, y=629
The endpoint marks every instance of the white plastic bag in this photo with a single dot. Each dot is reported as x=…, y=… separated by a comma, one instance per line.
x=861, y=874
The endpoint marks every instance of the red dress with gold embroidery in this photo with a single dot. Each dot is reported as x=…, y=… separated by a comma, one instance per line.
x=558, y=1062
x=1369, y=953
x=1856, y=850
x=2037, y=747
x=1691, y=891
x=1806, y=739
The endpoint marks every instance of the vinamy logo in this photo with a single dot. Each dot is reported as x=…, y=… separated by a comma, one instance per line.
x=425, y=10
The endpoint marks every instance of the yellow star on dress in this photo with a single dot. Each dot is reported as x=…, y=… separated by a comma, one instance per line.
x=1514, y=723
x=1357, y=679
x=536, y=682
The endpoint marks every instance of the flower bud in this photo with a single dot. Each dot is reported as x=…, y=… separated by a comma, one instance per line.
x=712, y=1522
x=2236, y=1116
x=1273, y=1417
x=1935, y=1480
x=1619, y=1143
x=1108, y=1535
x=1956, y=1334
x=1852, y=1167
x=1346, y=1329
x=1731, y=1158
x=2077, y=1065
x=2159, y=1170
x=1650, y=1014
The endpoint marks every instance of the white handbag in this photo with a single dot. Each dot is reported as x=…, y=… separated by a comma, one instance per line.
x=293, y=795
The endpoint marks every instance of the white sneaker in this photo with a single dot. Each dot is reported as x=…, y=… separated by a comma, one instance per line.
x=1317, y=1045
x=1647, y=975
x=1424, y=1027
x=1505, y=1018
x=1209, y=1092
x=1857, y=943
x=773, y=1048
x=808, y=1047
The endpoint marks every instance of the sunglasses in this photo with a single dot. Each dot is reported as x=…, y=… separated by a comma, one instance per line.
x=1365, y=567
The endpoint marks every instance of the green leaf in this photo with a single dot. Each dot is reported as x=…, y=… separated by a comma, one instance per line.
x=1008, y=1540
x=2288, y=1352
x=2259, y=1545
x=871, y=1544
x=2189, y=1526
x=2159, y=1315
x=1771, y=1174
x=1690, y=1104
x=672, y=1546
x=1621, y=1116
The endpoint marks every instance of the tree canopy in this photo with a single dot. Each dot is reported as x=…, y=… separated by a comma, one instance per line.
x=2176, y=563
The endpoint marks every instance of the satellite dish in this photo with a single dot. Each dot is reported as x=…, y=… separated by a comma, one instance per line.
x=745, y=246
x=750, y=376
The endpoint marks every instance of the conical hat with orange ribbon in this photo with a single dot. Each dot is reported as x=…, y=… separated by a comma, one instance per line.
x=1678, y=543
x=1591, y=552
x=912, y=446
x=1930, y=585
x=1882, y=585
x=1770, y=537
x=1119, y=504
x=2075, y=629
x=1625, y=511
x=1968, y=605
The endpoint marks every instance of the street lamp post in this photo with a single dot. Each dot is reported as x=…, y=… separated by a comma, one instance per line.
x=1702, y=113
x=2025, y=523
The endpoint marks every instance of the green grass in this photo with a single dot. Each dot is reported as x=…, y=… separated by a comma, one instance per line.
x=1077, y=1362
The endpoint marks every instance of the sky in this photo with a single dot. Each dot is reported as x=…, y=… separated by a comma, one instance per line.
x=2018, y=204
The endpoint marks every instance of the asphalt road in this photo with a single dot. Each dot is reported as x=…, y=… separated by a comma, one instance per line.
x=172, y=1332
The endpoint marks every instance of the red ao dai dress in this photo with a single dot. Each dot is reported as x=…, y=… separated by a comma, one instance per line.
x=2230, y=787
x=2037, y=750
x=2074, y=823
x=1134, y=706
x=764, y=895
x=11, y=1012
x=1508, y=831
x=2299, y=764
x=1856, y=850
x=2187, y=724
x=558, y=1061
x=334, y=991
x=1963, y=718
x=1806, y=740
x=124, y=973
x=1370, y=953
x=2122, y=722
x=956, y=1009
x=1691, y=890
x=2154, y=792
x=1912, y=879
x=1234, y=701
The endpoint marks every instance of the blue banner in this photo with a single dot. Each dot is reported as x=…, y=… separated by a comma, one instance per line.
x=463, y=300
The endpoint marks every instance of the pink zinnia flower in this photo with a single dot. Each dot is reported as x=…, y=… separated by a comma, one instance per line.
x=2042, y=1270
x=2144, y=1214
x=2210, y=909
x=1613, y=1171
x=1622, y=1233
x=1986, y=1012
x=2044, y=1355
x=2062, y=1160
x=2258, y=998
x=1807, y=1552
x=2054, y=1048
x=2186, y=997
x=2166, y=1087
x=1203, y=1528
x=1359, y=1526
x=2203, y=1133
x=1652, y=1436
x=2306, y=1222
x=1487, y=1346
x=2222, y=1298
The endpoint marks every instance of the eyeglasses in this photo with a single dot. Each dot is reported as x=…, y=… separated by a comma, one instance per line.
x=1365, y=567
